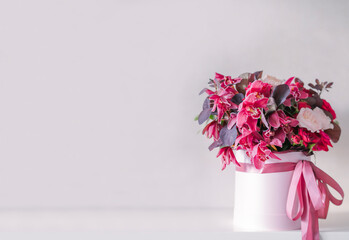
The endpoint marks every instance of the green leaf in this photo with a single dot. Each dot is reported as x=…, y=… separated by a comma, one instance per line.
x=290, y=110
x=196, y=118
x=311, y=147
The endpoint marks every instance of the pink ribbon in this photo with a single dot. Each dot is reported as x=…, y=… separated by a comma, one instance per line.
x=309, y=187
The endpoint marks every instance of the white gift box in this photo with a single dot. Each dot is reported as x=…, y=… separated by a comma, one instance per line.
x=260, y=199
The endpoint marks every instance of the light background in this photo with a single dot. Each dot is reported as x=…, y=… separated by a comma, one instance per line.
x=97, y=98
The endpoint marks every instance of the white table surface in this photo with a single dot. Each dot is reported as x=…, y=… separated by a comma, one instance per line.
x=145, y=224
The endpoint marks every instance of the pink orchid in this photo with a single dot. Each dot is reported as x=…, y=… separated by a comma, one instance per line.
x=227, y=156
x=278, y=138
x=227, y=81
x=288, y=123
x=232, y=120
x=297, y=91
x=256, y=100
x=248, y=139
x=278, y=118
x=219, y=76
x=245, y=120
x=212, y=130
x=268, y=134
x=259, y=87
x=221, y=102
x=261, y=153
x=275, y=138
x=250, y=111
x=274, y=120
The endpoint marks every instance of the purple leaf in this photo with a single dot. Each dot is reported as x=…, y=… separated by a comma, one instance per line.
x=246, y=79
x=211, y=83
x=280, y=93
x=329, y=85
x=228, y=136
x=311, y=85
x=334, y=133
x=237, y=99
x=314, y=101
x=202, y=91
x=318, y=87
x=311, y=101
x=206, y=104
x=258, y=74
x=312, y=92
x=215, y=144
x=204, y=115
x=242, y=85
x=217, y=82
x=252, y=77
x=245, y=75
x=327, y=113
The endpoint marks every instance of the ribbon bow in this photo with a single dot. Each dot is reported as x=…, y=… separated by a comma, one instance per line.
x=309, y=183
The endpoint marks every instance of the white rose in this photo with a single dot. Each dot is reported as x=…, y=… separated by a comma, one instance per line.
x=314, y=120
x=272, y=80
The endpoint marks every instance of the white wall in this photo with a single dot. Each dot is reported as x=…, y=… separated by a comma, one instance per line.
x=97, y=98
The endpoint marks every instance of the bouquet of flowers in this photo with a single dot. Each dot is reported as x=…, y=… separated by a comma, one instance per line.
x=264, y=115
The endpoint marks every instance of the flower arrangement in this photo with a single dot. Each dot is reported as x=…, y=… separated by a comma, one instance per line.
x=264, y=115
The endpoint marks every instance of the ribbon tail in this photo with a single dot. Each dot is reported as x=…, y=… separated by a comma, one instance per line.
x=295, y=190
x=322, y=213
x=309, y=220
x=327, y=180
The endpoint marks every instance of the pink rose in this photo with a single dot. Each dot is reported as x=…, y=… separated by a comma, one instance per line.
x=314, y=120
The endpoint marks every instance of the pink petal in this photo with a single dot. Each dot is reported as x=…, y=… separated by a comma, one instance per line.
x=274, y=120
x=274, y=156
x=209, y=92
x=220, y=152
x=241, y=118
x=219, y=76
x=210, y=131
x=287, y=102
x=232, y=121
x=288, y=82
